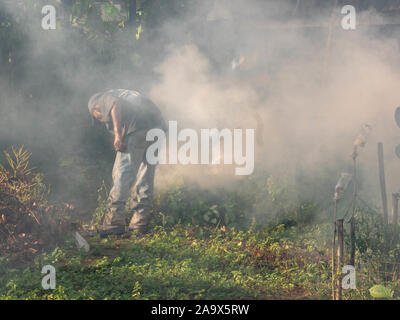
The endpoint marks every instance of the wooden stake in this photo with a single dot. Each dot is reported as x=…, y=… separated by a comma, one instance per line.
x=395, y=217
x=134, y=5
x=395, y=209
x=333, y=252
x=339, y=258
x=352, y=222
x=382, y=182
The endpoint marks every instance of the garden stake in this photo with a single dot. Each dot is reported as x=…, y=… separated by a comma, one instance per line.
x=352, y=226
x=395, y=209
x=339, y=258
x=382, y=182
x=333, y=250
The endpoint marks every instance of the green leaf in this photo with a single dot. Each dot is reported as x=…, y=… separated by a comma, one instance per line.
x=111, y=10
x=381, y=292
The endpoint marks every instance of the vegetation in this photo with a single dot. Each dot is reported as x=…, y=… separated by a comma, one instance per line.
x=187, y=262
x=198, y=249
x=47, y=77
x=29, y=224
x=261, y=238
x=183, y=262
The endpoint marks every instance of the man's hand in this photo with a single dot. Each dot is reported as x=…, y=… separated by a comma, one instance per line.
x=118, y=144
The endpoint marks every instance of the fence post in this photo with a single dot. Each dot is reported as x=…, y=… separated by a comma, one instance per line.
x=395, y=208
x=352, y=222
x=382, y=182
x=339, y=259
x=333, y=261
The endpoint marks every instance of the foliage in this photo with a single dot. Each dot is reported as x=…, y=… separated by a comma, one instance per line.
x=377, y=255
x=381, y=292
x=249, y=203
x=188, y=261
x=257, y=239
x=370, y=233
x=28, y=223
x=183, y=262
x=25, y=185
x=188, y=203
x=18, y=162
x=101, y=210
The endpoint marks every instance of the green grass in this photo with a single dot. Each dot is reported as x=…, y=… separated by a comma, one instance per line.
x=186, y=262
x=180, y=263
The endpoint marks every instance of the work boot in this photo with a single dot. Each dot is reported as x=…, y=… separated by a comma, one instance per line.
x=139, y=221
x=106, y=231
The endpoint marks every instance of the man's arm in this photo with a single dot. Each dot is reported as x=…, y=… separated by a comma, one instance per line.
x=117, y=124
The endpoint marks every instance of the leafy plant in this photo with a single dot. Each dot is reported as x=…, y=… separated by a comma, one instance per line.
x=381, y=292
x=18, y=162
x=26, y=186
x=102, y=203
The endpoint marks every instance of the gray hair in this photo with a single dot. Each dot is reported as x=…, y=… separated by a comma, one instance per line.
x=93, y=101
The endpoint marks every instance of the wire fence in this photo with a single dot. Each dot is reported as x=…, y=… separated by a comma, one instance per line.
x=374, y=264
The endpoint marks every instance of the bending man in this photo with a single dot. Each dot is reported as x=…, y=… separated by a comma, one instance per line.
x=128, y=115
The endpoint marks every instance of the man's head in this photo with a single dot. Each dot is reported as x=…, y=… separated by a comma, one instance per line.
x=94, y=108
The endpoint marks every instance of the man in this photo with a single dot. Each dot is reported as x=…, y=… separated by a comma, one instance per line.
x=128, y=115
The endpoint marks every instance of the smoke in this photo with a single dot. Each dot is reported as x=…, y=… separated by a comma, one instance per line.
x=306, y=102
x=235, y=64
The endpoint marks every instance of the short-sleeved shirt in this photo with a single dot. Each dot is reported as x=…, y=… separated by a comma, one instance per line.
x=137, y=111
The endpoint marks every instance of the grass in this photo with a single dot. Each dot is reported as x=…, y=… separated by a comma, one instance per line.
x=180, y=263
x=204, y=245
x=185, y=262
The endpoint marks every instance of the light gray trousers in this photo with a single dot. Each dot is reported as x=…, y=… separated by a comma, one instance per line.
x=133, y=177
